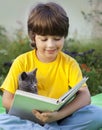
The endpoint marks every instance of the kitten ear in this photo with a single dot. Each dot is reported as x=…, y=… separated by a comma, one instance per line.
x=24, y=75
x=34, y=72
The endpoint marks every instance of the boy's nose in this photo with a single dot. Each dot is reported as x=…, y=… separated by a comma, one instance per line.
x=51, y=43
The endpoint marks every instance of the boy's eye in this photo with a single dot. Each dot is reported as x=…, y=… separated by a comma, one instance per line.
x=54, y=38
x=57, y=39
x=45, y=39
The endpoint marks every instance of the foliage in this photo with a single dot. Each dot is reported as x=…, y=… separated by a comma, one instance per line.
x=89, y=56
x=3, y=35
x=10, y=49
x=87, y=53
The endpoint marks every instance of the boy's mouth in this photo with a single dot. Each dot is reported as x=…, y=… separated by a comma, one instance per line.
x=51, y=51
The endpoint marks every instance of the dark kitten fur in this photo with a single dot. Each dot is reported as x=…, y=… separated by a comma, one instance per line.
x=28, y=82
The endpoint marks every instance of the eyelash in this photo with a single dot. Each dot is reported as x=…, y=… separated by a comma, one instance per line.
x=43, y=40
x=56, y=39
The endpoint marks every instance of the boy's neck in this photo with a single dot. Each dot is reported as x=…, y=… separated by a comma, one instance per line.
x=45, y=59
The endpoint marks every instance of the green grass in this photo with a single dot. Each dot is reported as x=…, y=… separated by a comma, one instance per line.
x=2, y=109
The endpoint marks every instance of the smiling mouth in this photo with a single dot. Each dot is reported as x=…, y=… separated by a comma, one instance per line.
x=51, y=51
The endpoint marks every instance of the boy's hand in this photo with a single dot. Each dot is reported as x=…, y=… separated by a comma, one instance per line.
x=45, y=117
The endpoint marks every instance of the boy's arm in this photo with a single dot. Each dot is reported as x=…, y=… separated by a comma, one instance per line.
x=82, y=99
x=7, y=99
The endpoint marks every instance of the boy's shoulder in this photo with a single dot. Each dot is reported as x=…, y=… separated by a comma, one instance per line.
x=25, y=57
x=26, y=54
x=67, y=57
x=31, y=52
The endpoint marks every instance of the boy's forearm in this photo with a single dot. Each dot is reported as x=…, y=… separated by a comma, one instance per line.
x=7, y=99
x=82, y=99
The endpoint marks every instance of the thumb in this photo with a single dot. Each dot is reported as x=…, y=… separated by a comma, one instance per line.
x=34, y=112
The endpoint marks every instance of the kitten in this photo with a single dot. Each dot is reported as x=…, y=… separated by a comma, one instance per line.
x=28, y=82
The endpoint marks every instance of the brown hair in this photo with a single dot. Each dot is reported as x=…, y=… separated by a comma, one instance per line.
x=47, y=19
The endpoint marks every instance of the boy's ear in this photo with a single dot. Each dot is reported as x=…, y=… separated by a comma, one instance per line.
x=24, y=75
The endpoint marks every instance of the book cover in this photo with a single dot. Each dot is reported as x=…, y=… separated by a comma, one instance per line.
x=25, y=102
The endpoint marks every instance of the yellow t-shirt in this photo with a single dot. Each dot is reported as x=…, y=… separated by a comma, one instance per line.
x=53, y=78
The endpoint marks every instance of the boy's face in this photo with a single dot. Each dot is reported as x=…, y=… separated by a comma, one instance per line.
x=48, y=47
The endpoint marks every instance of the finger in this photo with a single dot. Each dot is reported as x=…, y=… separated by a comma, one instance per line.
x=45, y=114
x=34, y=111
x=37, y=114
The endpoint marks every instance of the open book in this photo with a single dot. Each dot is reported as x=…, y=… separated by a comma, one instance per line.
x=25, y=102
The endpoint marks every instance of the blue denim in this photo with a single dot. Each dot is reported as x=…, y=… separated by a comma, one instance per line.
x=86, y=118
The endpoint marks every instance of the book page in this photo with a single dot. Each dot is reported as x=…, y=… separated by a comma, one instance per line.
x=72, y=91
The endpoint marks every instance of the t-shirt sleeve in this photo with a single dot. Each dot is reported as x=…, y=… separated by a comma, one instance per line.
x=75, y=74
x=11, y=81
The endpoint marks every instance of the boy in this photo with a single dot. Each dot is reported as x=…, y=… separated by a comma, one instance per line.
x=48, y=26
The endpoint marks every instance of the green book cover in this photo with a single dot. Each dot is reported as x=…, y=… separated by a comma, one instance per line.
x=25, y=102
